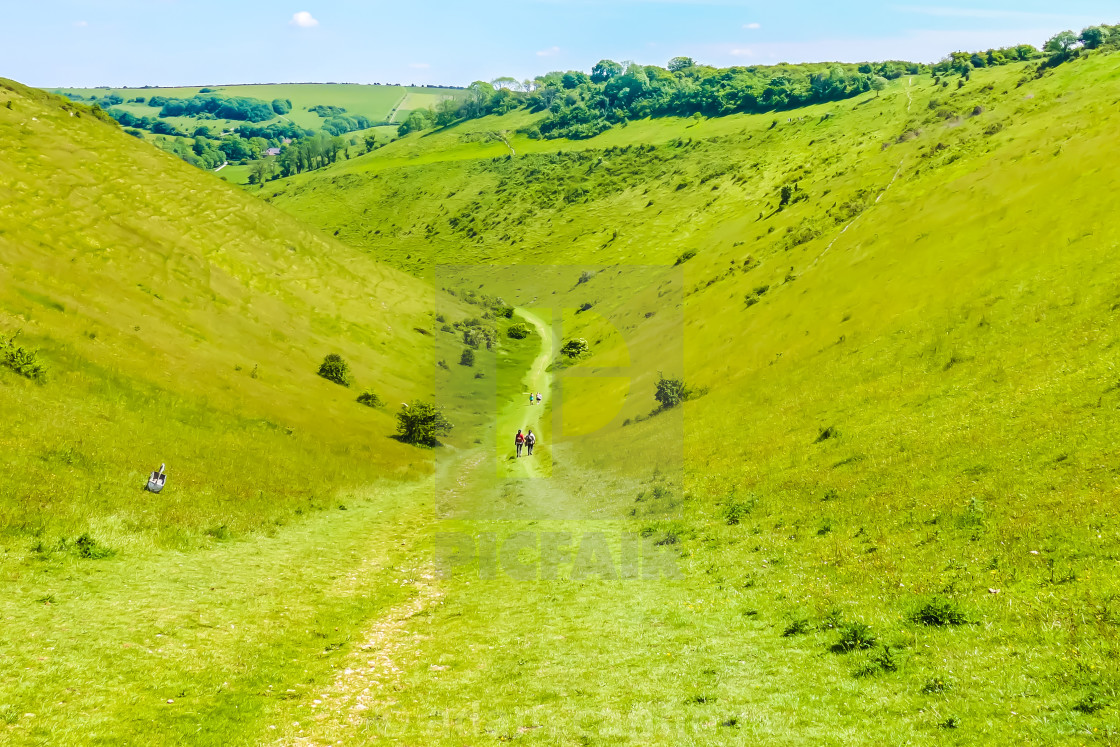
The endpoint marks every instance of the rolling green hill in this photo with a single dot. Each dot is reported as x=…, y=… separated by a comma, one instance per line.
x=904, y=309
x=181, y=321
x=379, y=103
x=889, y=490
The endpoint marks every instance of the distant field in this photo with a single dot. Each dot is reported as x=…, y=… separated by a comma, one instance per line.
x=420, y=100
x=373, y=101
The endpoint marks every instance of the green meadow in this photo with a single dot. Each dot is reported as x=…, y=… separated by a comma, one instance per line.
x=378, y=102
x=883, y=512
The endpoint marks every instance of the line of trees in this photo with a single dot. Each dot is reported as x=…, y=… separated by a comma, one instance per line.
x=1059, y=48
x=582, y=105
x=221, y=107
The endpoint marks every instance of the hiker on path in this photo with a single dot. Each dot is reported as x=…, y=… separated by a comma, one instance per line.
x=530, y=398
x=530, y=439
x=519, y=441
x=538, y=398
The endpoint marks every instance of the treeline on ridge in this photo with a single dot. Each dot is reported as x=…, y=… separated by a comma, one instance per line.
x=582, y=106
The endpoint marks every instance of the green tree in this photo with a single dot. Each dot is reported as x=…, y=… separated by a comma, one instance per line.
x=260, y=171
x=1094, y=36
x=1061, y=43
x=467, y=358
x=604, y=70
x=786, y=195
x=422, y=423
x=681, y=63
x=878, y=83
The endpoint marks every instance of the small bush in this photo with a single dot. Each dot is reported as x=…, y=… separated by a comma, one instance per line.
x=467, y=358
x=575, y=348
x=443, y=364
x=882, y=660
x=1090, y=704
x=855, y=636
x=87, y=548
x=939, y=612
x=369, y=398
x=518, y=331
x=422, y=423
x=827, y=433
x=335, y=368
x=736, y=511
x=670, y=392
x=800, y=626
x=24, y=362
x=685, y=257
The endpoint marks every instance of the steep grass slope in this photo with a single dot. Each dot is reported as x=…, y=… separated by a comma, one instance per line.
x=182, y=321
x=911, y=422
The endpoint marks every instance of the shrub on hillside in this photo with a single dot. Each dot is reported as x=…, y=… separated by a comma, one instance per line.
x=24, y=362
x=575, y=348
x=422, y=423
x=855, y=636
x=369, y=398
x=670, y=392
x=335, y=368
x=939, y=612
x=518, y=331
x=467, y=358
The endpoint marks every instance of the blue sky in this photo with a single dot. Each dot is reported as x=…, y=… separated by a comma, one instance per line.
x=168, y=42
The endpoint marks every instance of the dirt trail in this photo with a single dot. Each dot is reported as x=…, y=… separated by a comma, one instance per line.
x=519, y=413
x=898, y=171
x=366, y=687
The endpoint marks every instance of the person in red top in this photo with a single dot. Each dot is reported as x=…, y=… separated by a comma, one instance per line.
x=519, y=441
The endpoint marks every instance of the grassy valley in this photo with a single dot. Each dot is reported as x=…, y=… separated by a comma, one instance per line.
x=908, y=358
x=827, y=445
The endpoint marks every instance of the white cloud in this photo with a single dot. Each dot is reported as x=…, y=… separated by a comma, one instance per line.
x=419, y=65
x=742, y=52
x=752, y=26
x=550, y=52
x=80, y=24
x=304, y=20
